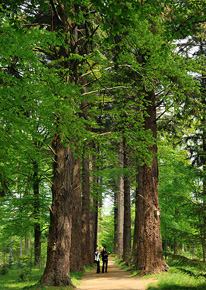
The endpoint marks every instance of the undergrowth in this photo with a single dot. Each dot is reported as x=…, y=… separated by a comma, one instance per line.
x=184, y=274
x=28, y=278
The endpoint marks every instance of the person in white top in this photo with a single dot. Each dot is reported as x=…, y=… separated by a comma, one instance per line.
x=97, y=260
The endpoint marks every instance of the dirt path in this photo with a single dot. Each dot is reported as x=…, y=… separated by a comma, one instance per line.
x=115, y=279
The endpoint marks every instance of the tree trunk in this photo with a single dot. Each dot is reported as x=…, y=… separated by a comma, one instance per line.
x=120, y=202
x=99, y=210
x=175, y=246
x=85, y=210
x=11, y=251
x=115, y=221
x=76, y=252
x=135, y=241
x=92, y=246
x=57, y=271
x=21, y=246
x=204, y=187
x=150, y=256
x=37, y=226
x=31, y=256
x=26, y=242
x=96, y=215
x=127, y=210
x=95, y=200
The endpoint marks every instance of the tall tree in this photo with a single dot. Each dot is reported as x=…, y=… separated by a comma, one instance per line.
x=75, y=254
x=127, y=204
x=57, y=271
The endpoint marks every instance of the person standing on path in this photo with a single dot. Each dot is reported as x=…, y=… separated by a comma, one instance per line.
x=104, y=260
x=97, y=259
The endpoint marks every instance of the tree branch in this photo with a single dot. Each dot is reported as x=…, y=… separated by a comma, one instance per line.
x=96, y=91
x=52, y=150
x=102, y=134
x=48, y=179
x=55, y=11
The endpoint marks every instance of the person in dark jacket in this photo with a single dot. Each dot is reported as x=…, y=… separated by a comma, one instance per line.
x=104, y=260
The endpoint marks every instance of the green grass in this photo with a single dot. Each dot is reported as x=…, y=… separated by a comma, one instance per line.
x=24, y=279
x=184, y=274
x=177, y=280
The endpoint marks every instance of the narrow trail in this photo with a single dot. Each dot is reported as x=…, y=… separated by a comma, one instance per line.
x=115, y=279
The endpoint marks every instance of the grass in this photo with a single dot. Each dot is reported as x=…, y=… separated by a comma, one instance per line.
x=28, y=279
x=175, y=279
x=184, y=274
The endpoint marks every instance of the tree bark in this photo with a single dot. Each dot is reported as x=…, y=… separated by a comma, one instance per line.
x=135, y=240
x=127, y=210
x=176, y=246
x=92, y=245
x=57, y=271
x=95, y=200
x=150, y=256
x=85, y=210
x=11, y=251
x=204, y=188
x=26, y=242
x=37, y=226
x=76, y=252
x=115, y=221
x=99, y=210
x=120, y=202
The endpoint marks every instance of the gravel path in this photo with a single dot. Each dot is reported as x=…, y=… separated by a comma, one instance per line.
x=115, y=279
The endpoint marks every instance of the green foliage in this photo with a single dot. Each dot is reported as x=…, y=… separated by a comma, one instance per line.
x=107, y=232
x=28, y=279
x=4, y=269
x=177, y=179
x=184, y=274
x=126, y=53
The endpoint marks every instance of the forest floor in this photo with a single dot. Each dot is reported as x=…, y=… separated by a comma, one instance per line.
x=115, y=279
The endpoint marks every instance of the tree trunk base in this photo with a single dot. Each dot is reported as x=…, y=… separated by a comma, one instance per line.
x=155, y=270
x=53, y=280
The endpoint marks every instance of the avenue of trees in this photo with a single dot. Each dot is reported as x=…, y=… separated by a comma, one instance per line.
x=102, y=98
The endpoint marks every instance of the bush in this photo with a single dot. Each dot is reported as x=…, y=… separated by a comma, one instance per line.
x=25, y=275
x=4, y=270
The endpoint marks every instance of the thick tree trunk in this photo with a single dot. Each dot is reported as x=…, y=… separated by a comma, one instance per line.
x=85, y=210
x=76, y=252
x=150, y=256
x=127, y=210
x=57, y=271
